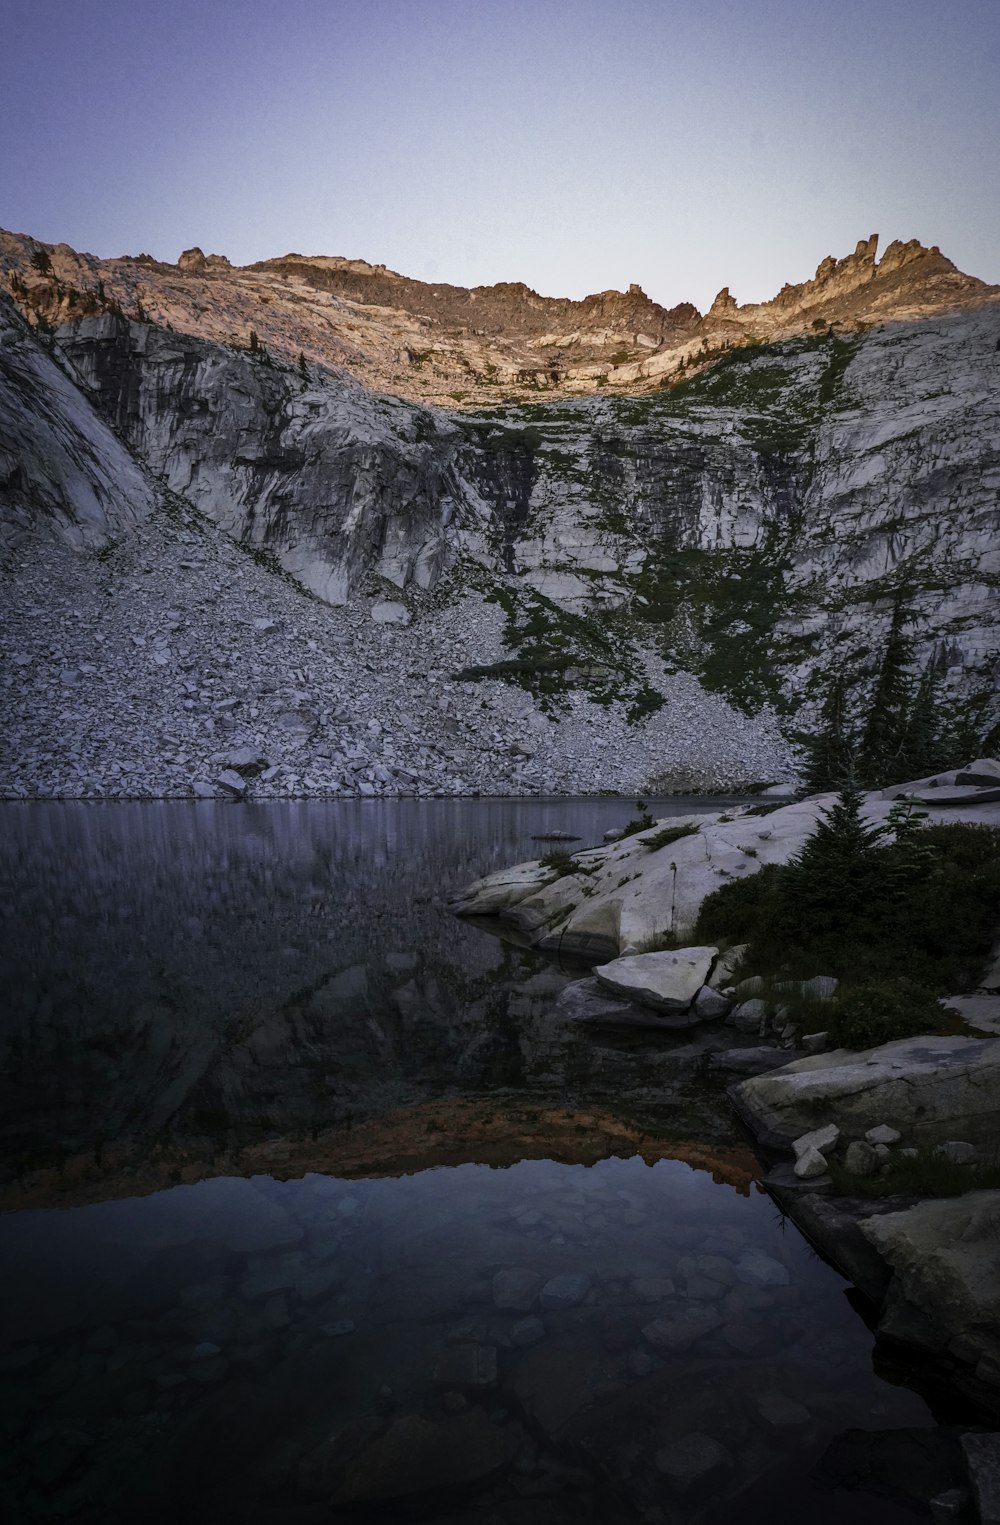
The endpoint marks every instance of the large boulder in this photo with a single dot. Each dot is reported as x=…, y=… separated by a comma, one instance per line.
x=665, y=981
x=931, y=1089
x=945, y=1292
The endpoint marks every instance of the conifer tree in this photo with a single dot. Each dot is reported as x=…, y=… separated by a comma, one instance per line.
x=832, y=884
x=831, y=750
x=883, y=737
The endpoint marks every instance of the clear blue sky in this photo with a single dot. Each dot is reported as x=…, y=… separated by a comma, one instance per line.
x=573, y=144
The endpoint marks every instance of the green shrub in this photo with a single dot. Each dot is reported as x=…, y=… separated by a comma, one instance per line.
x=669, y=834
x=924, y=907
x=737, y=911
x=641, y=822
x=881, y=1010
x=560, y=861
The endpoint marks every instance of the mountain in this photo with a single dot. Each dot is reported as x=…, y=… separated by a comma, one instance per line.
x=221, y=563
x=452, y=346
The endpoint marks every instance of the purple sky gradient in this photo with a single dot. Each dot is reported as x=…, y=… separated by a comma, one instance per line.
x=573, y=144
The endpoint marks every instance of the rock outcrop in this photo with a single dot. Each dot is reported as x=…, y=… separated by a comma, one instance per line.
x=930, y=1089
x=620, y=899
x=442, y=343
x=944, y=1294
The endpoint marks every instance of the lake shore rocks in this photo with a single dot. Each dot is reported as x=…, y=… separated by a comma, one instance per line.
x=617, y=900
x=665, y=981
x=931, y=1089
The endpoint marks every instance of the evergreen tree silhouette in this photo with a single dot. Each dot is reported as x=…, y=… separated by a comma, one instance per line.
x=883, y=737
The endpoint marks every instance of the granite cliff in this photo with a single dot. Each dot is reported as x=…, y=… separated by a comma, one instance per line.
x=618, y=591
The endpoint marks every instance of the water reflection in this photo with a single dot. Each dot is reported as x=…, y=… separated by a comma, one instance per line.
x=270, y=1005
x=543, y=1342
x=225, y=973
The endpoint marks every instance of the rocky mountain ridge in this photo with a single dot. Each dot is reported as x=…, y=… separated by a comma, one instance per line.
x=453, y=346
x=354, y=593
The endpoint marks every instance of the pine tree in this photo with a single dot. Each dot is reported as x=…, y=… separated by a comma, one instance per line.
x=254, y=343
x=923, y=749
x=830, y=887
x=882, y=741
x=303, y=371
x=831, y=750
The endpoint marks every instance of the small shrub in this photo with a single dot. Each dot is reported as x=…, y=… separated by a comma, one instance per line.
x=669, y=834
x=41, y=261
x=642, y=822
x=881, y=1010
x=736, y=911
x=560, y=861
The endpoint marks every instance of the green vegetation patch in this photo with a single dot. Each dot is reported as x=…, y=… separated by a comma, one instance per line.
x=557, y=652
x=718, y=611
x=667, y=835
x=899, y=915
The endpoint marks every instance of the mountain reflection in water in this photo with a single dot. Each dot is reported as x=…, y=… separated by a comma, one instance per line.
x=515, y=1273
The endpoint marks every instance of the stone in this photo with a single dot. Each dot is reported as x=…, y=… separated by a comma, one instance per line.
x=861, y=1158
x=951, y=1507
x=527, y=1331
x=726, y=964
x=681, y=1328
x=883, y=1134
x=203, y=791
x=709, y=1005
x=815, y=1043
x=943, y=1257
x=467, y=1368
x=415, y=1456
x=982, y=773
x=757, y=1269
x=925, y=1087
x=664, y=981
x=748, y=1017
x=246, y=761
x=810, y=1163
x=780, y=1412
x=824, y=1140
x=957, y=1152
x=516, y=1290
x=233, y=783
x=693, y=1464
x=390, y=613
x=565, y=1291
x=982, y=1458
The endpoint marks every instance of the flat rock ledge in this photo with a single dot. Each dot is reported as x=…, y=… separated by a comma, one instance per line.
x=931, y=1089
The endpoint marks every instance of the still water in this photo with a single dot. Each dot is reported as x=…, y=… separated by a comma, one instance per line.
x=314, y=1209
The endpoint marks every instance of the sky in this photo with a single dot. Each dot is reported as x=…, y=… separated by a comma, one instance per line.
x=576, y=145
